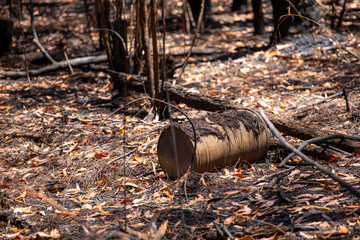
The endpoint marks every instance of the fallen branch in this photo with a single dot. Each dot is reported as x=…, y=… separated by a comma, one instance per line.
x=67, y=60
x=305, y=158
x=36, y=38
x=58, y=65
x=35, y=137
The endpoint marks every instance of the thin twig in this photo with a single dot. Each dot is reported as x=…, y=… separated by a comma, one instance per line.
x=269, y=224
x=226, y=230
x=124, y=179
x=352, y=53
x=116, y=33
x=150, y=85
x=155, y=51
x=122, y=156
x=346, y=99
x=305, y=158
x=324, y=145
x=68, y=62
x=266, y=177
x=168, y=99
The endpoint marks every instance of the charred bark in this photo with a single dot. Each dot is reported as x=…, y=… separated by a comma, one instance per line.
x=102, y=11
x=259, y=25
x=6, y=27
x=119, y=49
x=195, y=6
x=239, y=5
x=120, y=53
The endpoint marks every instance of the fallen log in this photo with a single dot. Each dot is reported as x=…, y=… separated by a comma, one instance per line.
x=176, y=93
x=221, y=139
x=293, y=128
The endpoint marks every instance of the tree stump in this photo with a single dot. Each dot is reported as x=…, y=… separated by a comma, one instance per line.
x=221, y=139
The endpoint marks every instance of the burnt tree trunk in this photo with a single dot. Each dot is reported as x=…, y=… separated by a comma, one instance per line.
x=195, y=6
x=138, y=42
x=6, y=27
x=306, y=8
x=120, y=53
x=102, y=15
x=259, y=26
x=239, y=5
x=154, y=47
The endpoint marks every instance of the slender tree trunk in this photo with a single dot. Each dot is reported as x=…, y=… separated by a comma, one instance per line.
x=102, y=17
x=138, y=44
x=150, y=86
x=119, y=8
x=155, y=47
x=120, y=53
x=258, y=17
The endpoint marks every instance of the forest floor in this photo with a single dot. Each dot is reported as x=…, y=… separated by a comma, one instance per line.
x=57, y=136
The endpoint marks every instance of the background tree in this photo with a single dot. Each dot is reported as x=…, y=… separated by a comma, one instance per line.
x=283, y=25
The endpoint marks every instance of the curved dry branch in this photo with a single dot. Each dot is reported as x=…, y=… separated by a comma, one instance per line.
x=305, y=158
x=36, y=38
